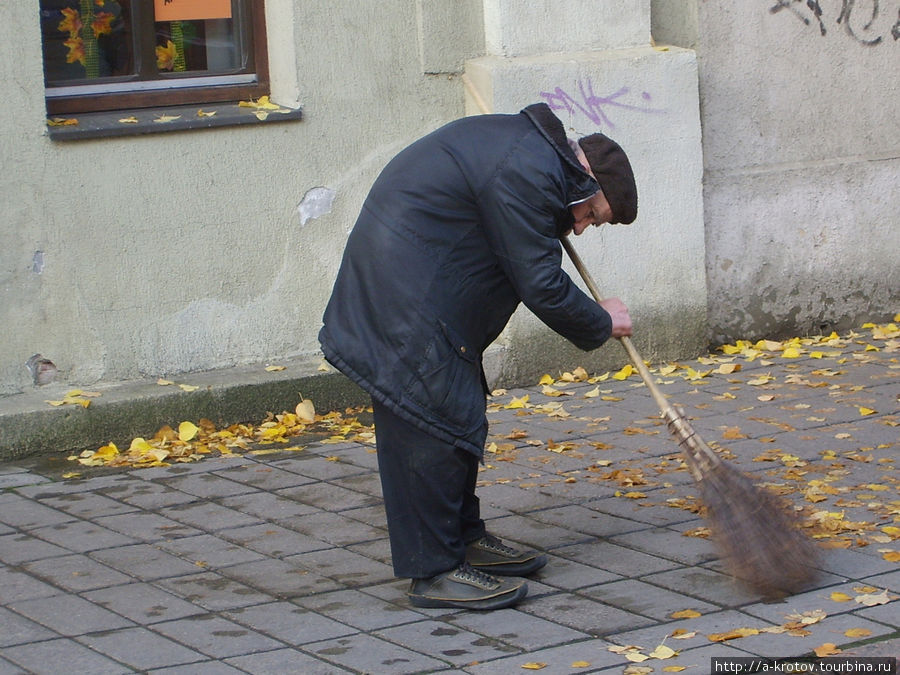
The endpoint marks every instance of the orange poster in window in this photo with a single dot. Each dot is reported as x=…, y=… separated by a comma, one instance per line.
x=187, y=10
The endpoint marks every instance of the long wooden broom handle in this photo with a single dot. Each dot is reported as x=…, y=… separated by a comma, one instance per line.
x=633, y=354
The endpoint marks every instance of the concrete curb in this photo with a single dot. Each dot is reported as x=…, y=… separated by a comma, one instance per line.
x=30, y=426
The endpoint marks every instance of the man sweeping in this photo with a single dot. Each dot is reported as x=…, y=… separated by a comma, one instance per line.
x=458, y=229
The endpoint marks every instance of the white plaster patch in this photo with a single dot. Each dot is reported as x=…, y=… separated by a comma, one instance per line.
x=316, y=202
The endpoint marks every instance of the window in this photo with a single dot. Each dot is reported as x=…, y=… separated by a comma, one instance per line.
x=102, y=55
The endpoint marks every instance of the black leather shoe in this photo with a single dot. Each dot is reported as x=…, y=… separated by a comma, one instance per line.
x=491, y=555
x=466, y=588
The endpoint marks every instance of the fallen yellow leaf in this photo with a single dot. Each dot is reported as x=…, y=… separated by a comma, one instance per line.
x=187, y=431
x=732, y=635
x=623, y=374
x=580, y=664
x=534, y=665
x=827, y=649
x=685, y=614
x=663, y=652
x=840, y=597
x=857, y=632
x=306, y=411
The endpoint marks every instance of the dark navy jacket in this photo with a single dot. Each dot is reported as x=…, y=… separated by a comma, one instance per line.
x=458, y=229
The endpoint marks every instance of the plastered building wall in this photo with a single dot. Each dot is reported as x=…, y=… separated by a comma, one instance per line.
x=801, y=146
x=149, y=256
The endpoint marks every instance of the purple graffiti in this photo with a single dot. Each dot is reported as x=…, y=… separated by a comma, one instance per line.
x=595, y=107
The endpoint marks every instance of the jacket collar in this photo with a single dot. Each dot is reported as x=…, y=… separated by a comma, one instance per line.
x=581, y=184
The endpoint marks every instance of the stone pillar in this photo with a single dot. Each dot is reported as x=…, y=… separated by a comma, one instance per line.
x=593, y=62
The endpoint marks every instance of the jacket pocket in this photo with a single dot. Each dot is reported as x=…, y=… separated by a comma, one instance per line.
x=447, y=382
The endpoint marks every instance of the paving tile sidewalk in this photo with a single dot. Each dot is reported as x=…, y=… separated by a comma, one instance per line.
x=280, y=563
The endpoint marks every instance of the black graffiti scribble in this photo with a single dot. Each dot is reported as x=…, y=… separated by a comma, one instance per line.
x=857, y=21
x=789, y=5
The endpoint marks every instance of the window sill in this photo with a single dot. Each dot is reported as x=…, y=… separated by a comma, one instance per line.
x=163, y=119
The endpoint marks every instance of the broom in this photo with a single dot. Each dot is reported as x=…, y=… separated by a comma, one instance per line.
x=752, y=528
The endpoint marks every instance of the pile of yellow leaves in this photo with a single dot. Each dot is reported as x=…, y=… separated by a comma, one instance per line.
x=192, y=442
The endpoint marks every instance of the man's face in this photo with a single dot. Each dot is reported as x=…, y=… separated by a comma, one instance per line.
x=594, y=211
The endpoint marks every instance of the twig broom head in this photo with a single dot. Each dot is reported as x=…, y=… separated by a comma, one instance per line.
x=755, y=532
x=753, y=528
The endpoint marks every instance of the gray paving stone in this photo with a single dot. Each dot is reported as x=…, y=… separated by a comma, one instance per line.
x=285, y=661
x=147, y=527
x=289, y=623
x=619, y=560
x=534, y=533
x=25, y=514
x=517, y=629
x=694, y=632
x=581, y=519
x=641, y=598
x=144, y=562
x=830, y=629
x=19, y=548
x=889, y=580
x=367, y=483
x=75, y=573
x=216, y=637
x=263, y=475
x=41, y=658
x=888, y=648
x=215, y=667
x=569, y=575
x=344, y=566
x=272, y=540
x=556, y=660
x=583, y=613
x=268, y=506
x=70, y=615
x=15, y=629
x=328, y=496
x=446, y=641
x=140, y=648
x=148, y=495
x=213, y=591
x=319, y=467
x=336, y=529
x=88, y=505
x=279, y=579
x=208, y=516
x=81, y=536
x=815, y=599
x=854, y=565
x=208, y=485
x=208, y=465
x=703, y=584
x=17, y=585
x=645, y=511
x=669, y=544
x=20, y=479
x=209, y=551
x=143, y=603
x=359, y=609
x=366, y=653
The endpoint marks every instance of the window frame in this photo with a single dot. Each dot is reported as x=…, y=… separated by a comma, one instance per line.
x=218, y=88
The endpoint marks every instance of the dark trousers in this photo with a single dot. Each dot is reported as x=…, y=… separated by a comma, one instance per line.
x=429, y=497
